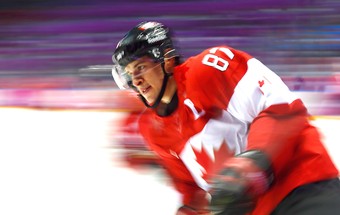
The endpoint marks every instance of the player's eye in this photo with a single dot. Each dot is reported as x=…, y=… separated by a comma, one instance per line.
x=136, y=71
x=140, y=68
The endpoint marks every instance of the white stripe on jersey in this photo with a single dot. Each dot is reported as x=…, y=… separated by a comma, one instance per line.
x=257, y=90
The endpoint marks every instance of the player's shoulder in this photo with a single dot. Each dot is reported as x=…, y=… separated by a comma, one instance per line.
x=218, y=57
x=223, y=51
x=215, y=59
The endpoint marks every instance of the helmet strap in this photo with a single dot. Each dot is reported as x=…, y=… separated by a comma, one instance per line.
x=161, y=93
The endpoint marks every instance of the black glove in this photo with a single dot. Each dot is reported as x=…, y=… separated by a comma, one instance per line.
x=243, y=179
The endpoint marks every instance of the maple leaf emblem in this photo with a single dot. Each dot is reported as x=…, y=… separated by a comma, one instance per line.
x=212, y=164
x=261, y=83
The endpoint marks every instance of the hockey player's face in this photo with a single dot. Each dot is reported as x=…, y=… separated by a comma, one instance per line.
x=147, y=76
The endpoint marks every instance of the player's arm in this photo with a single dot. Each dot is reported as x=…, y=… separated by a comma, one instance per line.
x=250, y=174
x=276, y=119
x=194, y=199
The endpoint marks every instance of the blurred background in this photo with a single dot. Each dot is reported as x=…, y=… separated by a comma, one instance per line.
x=57, y=54
x=65, y=125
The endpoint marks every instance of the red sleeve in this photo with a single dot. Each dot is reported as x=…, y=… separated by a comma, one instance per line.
x=161, y=141
x=276, y=129
x=178, y=174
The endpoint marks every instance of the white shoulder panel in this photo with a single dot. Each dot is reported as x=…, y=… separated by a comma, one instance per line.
x=257, y=90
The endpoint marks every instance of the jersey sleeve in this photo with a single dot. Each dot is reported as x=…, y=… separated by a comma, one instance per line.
x=160, y=141
x=276, y=116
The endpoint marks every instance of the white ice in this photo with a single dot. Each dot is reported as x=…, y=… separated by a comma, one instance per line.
x=61, y=163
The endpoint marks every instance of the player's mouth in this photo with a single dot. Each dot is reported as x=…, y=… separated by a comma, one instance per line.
x=145, y=90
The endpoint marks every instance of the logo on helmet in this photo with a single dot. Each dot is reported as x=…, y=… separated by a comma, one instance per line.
x=120, y=55
x=156, y=53
x=156, y=39
x=157, y=35
x=148, y=25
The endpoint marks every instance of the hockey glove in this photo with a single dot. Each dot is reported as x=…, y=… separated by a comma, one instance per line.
x=243, y=179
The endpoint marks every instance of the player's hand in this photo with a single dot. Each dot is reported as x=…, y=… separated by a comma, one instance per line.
x=243, y=179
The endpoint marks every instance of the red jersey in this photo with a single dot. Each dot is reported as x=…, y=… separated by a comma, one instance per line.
x=229, y=102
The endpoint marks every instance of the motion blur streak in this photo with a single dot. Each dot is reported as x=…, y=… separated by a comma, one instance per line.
x=64, y=162
x=53, y=43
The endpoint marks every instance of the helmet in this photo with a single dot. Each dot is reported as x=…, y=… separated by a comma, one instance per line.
x=146, y=39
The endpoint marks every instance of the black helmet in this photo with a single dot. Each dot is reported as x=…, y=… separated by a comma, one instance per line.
x=146, y=39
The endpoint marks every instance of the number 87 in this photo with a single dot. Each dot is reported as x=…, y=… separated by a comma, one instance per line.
x=215, y=61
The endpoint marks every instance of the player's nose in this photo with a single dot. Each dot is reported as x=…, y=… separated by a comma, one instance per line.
x=137, y=81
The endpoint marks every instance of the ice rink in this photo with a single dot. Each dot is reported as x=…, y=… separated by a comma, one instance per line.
x=63, y=163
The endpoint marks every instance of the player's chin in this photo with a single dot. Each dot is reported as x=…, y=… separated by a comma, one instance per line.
x=151, y=100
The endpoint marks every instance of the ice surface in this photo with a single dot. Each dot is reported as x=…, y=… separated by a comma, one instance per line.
x=62, y=162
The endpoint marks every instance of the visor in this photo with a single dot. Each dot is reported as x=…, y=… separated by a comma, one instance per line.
x=122, y=79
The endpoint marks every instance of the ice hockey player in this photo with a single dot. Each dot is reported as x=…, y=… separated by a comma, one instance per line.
x=231, y=135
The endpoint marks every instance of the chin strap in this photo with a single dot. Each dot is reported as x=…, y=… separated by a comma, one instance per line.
x=161, y=93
